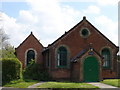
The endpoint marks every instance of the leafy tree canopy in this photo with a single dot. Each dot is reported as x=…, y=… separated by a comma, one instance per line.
x=8, y=52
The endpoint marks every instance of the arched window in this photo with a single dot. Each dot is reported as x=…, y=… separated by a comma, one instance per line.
x=62, y=57
x=107, y=58
x=30, y=56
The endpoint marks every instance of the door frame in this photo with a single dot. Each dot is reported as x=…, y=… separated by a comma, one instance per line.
x=82, y=66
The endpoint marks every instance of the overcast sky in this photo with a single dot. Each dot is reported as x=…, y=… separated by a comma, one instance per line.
x=49, y=19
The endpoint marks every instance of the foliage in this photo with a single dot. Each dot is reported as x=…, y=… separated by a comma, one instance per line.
x=65, y=85
x=35, y=71
x=8, y=52
x=11, y=69
x=20, y=83
x=113, y=82
x=118, y=57
x=3, y=39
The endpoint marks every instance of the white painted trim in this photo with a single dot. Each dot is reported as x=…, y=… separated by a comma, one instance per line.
x=26, y=55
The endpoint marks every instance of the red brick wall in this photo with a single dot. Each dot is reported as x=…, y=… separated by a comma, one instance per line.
x=75, y=72
x=109, y=74
x=61, y=74
x=76, y=43
x=30, y=42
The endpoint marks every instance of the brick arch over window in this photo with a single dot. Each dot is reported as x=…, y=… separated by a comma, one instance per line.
x=107, y=57
x=62, y=56
x=30, y=54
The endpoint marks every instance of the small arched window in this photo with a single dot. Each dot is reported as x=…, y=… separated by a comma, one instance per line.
x=62, y=57
x=30, y=56
x=107, y=58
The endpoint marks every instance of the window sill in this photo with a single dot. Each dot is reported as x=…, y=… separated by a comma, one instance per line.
x=106, y=68
x=62, y=67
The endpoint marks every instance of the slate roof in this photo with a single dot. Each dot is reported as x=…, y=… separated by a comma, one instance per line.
x=31, y=34
x=82, y=52
x=74, y=59
x=84, y=18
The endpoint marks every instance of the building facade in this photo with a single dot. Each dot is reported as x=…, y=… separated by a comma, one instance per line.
x=81, y=54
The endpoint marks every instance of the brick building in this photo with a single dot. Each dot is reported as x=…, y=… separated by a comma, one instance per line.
x=81, y=54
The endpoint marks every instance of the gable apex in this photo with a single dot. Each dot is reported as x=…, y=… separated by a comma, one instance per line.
x=31, y=35
x=84, y=17
x=31, y=32
x=78, y=24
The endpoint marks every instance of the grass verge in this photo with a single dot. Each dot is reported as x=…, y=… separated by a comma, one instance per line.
x=20, y=83
x=65, y=85
x=113, y=82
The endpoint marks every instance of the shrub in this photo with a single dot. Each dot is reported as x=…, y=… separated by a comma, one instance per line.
x=11, y=69
x=36, y=72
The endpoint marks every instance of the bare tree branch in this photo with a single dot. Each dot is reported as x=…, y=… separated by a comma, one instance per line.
x=3, y=39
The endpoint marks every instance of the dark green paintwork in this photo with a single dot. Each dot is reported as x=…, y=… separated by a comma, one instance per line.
x=91, y=69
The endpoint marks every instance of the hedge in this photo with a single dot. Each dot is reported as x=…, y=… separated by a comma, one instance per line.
x=11, y=69
x=36, y=72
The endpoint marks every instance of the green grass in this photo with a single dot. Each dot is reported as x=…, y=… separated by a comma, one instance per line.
x=65, y=85
x=20, y=83
x=113, y=82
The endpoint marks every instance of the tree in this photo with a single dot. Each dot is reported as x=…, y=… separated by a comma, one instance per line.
x=6, y=50
x=3, y=39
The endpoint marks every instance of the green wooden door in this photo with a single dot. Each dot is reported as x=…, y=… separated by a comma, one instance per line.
x=91, y=69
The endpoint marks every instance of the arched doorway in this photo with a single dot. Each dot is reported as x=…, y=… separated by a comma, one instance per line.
x=30, y=56
x=91, y=69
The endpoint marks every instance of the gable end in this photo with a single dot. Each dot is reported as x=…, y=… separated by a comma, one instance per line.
x=28, y=38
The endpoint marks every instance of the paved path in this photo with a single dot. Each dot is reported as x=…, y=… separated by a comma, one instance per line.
x=101, y=85
x=98, y=84
x=35, y=85
x=0, y=88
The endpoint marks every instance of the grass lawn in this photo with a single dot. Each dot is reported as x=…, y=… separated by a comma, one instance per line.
x=20, y=83
x=113, y=82
x=65, y=85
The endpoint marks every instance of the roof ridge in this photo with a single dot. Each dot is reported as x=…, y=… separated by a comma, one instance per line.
x=102, y=34
x=27, y=38
x=84, y=19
